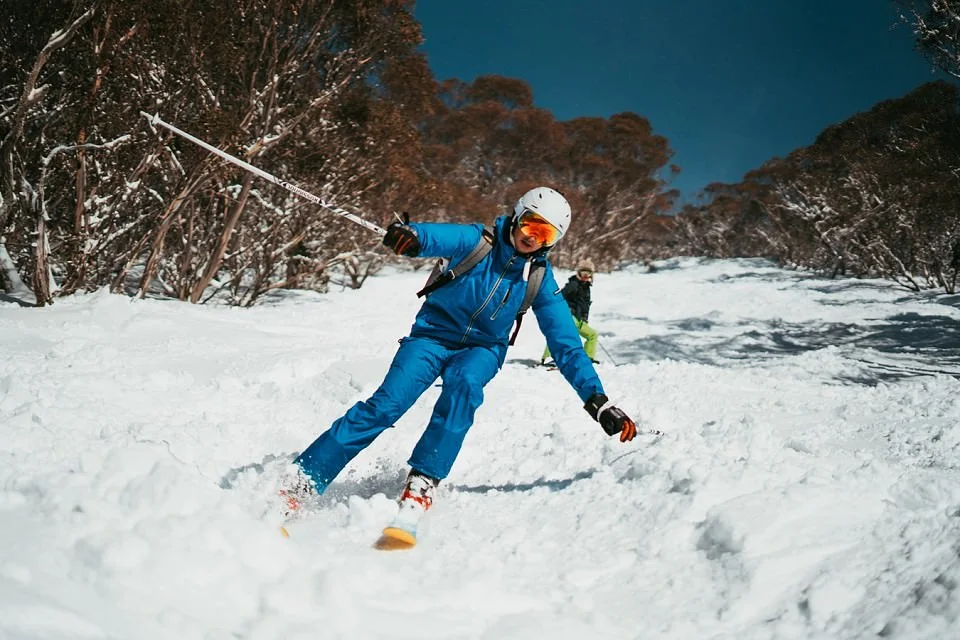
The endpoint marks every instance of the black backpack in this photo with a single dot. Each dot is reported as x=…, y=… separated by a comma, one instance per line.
x=443, y=273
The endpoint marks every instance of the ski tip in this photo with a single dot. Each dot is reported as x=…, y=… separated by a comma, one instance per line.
x=284, y=532
x=395, y=539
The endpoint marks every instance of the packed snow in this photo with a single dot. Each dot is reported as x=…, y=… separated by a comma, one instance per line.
x=807, y=484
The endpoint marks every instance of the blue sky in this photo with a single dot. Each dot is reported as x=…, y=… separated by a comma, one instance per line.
x=731, y=83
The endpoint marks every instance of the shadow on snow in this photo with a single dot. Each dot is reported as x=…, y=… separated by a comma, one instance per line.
x=541, y=483
x=900, y=346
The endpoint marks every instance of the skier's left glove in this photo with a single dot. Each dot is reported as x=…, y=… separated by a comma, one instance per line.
x=612, y=419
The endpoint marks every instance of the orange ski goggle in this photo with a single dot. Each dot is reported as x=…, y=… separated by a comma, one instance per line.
x=537, y=227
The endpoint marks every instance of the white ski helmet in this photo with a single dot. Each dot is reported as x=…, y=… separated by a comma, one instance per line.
x=548, y=204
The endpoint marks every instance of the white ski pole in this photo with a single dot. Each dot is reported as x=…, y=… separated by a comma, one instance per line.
x=155, y=120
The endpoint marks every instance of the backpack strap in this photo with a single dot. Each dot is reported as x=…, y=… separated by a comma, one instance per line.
x=442, y=276
x=533, y=274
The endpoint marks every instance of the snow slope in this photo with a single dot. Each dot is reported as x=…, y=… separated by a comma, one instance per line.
x=807, y=485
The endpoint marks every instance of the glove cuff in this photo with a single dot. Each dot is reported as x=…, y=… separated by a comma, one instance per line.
x=597, y=404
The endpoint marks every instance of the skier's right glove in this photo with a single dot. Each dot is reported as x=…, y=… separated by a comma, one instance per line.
x=402, y=238
x=612, y=419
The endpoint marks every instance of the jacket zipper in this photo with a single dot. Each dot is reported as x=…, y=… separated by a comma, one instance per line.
x=502, y=302
x=487, y=301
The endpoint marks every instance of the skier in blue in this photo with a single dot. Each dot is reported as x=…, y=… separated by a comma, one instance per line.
x=461, y=335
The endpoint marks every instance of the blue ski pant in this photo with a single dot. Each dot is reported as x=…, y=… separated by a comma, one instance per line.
x=418, y=363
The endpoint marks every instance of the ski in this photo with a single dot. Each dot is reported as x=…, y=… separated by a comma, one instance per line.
x=391, y=539
x=395, y=539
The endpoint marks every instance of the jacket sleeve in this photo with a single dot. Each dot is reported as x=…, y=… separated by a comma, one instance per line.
x=444, y=240
x=556, y=324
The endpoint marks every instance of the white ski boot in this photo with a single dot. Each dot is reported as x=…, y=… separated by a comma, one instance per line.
x=296, y=490
x=415, y=500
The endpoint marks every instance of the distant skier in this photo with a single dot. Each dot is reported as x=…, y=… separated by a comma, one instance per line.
x=577, y=294
x=461, y=335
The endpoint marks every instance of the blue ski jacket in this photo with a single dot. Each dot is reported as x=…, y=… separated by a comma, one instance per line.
x=479, y=307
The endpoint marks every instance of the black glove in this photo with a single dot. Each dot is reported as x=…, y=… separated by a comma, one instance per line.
x=402, y=238
x=612, y=419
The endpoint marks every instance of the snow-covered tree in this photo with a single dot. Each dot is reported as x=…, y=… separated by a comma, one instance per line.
x=289, y=86
x=936, y=24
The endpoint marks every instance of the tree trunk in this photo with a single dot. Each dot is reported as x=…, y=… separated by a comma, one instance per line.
x=156, y=249
x=41, y=268
x=216, y=259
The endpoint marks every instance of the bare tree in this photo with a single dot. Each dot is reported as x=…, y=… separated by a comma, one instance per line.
x=291, y=86
x=936, y=24
x=17, y=188
x=874, y=195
